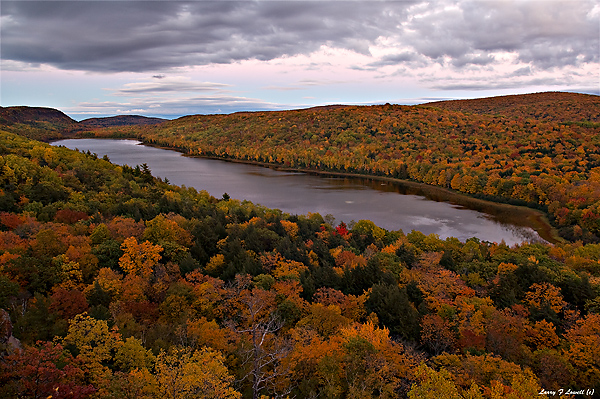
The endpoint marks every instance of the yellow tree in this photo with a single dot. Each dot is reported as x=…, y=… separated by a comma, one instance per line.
x=326, y=320
x=182, y=373
x=168, y=228
x=439, y=385
x=290, y=228
x=96, y=345
x=178, y=374
x=109, y=280
x=372, y=362
x=132, y=355
x=202, y=332
x=495, y=376
x=139, y=259
x=545, y=294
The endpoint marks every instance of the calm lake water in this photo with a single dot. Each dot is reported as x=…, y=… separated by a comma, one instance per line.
x=388, y=205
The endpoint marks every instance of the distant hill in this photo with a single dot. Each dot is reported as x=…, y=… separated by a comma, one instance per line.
x=549, y=106
x=48, y=123
x=34, y=115
x=36, y=122
x=121, y=120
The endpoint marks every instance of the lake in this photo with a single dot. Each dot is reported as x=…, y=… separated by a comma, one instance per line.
x=390, y=205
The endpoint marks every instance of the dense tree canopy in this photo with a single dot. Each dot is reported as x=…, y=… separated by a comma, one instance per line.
x=118, y=284
x=539, y=150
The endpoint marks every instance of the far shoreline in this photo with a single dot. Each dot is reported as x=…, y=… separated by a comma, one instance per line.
x=537, y=220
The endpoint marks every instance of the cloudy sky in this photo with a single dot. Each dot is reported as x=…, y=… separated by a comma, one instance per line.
x=171, y=58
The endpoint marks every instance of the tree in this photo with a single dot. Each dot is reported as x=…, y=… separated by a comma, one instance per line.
x=352, y=307
x=100, y=234
x=123, y=227
x=494, y=375
x=167, y=228
x=139, y=259
x=8, y=289
x=68, y=303
x=182, y=373
x=265, y=355
x=35, y=321
x=110, y=282
x=506, y=334
x=439, y=385
x=583, y=351
x=40, y=373
x=167, y=231
x=326, y=320
x=437, y=334
x=394, y=310
x=132, y=355
x=202, y=332
x=553, y=369
x=290, y=228
x=374, y=364
x=94, y=344
x=262, y=351
x=542, y=335
x=545, y=294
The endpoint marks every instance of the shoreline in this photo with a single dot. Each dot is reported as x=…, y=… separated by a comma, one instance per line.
x=536, y=219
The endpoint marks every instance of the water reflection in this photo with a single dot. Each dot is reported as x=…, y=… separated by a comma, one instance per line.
x=391, y=206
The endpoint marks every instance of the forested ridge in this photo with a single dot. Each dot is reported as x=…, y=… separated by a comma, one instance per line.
x=538, y=150
x=38, y=123
x=121, y=120
x=550, y=106
x=41, y=123
x=118, y=284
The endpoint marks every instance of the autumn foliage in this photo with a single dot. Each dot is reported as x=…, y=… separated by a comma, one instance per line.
x=114, y=283
x=538, y=150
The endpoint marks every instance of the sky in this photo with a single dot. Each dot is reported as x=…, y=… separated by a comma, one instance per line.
x=171, y=58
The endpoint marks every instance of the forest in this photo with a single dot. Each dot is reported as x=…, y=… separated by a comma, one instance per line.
x=538, y=150
x=117, y=284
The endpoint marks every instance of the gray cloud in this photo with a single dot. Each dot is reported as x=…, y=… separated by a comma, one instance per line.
x=165, y=84
x=397, y=59
x=114, y=36
x=501, y=84
x=146, y=36
x=472, y=59
x=544, y=33
x=170, y=108
x=525, y=71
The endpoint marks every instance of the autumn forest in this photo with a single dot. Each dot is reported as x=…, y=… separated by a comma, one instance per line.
x=116, y=284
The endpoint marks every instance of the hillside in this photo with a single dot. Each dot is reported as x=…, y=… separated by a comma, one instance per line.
x=115, y=282
x=34, y=115
x=120, y=120
x=541, y=163
x=36, y=122
x=49, y=124
x=550, y=106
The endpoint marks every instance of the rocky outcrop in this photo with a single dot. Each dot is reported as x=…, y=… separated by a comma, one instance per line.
x=7, y=341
